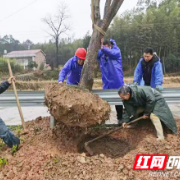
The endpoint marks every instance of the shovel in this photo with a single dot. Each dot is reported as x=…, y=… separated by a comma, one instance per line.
x=17, y=99
x=86, y=144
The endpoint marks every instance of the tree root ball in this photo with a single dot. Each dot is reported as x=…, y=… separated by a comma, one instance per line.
x=75, y=106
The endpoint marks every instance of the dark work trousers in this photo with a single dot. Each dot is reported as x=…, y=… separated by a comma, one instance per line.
x=7, y=136
x=119, y=110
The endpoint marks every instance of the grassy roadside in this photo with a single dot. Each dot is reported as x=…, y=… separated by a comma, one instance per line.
x=41, y=85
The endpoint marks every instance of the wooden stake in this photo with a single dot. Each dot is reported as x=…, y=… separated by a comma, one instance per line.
x=16, y=95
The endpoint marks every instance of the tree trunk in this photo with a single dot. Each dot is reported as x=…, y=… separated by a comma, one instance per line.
x=57, y=51
x=160, y=52
x=90, y=65
x=164, y=67
x=110, y=10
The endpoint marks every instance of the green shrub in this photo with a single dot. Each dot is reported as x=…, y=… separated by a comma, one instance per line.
x=16, y=68
x=32, y=64
x=172, y=63
x=41, y=67
x=51, y=75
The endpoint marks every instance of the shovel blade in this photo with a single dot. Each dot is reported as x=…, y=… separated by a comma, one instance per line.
x=88, y=149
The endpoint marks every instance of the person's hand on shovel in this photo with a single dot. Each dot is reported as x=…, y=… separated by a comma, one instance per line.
x=102, y=41
x=145, y=117
x=124, y=125
x=127, y=126
x=11, y=79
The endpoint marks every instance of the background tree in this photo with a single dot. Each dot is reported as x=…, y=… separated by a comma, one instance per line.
x=151, y=24
x=27, y=44
x=86, y=40
x=155, y=25
x=58, y=26
x=10, y=44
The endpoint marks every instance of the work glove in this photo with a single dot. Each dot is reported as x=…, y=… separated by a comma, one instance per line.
x=125, y=125
x=125, y=120
x=160, y=88
x=145, y=116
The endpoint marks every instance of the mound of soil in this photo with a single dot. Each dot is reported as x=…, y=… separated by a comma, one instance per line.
x=76, y=107
x=59, y=154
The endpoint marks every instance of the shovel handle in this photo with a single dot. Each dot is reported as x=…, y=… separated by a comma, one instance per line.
x=112, y=131
x=135, y=120
x=16, y=95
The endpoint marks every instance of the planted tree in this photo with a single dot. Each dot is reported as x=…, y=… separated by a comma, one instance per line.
x=100, y=26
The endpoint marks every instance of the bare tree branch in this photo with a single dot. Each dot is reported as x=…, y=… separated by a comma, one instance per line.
x=66, y=28
x=49, y=23
x=97, y=14
x=60, y=24
x=92, y=11
x=116, y=4
x=53, y=25
x=57, y=26
x=107, y=5
x=95, y=10
x=50, y=34
x=110, y=13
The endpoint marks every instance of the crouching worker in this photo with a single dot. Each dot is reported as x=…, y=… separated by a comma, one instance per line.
x=149, y=102
x=7, y=136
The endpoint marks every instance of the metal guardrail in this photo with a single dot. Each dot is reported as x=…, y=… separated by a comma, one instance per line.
x=36, y=98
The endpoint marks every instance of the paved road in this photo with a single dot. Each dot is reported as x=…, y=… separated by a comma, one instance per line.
x=11, y=115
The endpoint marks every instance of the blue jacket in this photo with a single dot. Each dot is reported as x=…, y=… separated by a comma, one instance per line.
x=72, y=70
x=7, y=136
x=156, y=75
x=111, y=67
x=4, y=86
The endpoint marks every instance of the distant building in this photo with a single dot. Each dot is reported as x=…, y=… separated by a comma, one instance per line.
x=24, y=57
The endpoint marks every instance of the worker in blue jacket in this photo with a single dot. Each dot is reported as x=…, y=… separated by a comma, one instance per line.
x=110, y=59
x=7, y=136
x=149, y=70
x=72, y=69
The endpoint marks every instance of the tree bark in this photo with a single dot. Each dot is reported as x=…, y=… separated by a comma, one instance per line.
x=57, y=51
x=160, y=52
x=111, y=9
x=164, y=67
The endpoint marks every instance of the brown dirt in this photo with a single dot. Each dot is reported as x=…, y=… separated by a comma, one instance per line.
x=76, y=107
x=58, y=154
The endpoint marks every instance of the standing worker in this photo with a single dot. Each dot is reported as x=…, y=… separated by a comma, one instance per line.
x=7, y=136
x=149, y=69
x=149, y=102
x=73, y=67
x=110, y=59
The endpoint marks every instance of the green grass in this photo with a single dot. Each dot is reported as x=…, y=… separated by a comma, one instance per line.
x=14, y=128
x=2, y=144
x=14, y=149
x=3, y=162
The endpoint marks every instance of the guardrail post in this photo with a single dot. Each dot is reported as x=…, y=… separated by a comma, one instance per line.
x=52, y=122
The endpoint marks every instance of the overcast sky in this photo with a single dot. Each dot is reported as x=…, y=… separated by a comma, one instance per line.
x=23, y=18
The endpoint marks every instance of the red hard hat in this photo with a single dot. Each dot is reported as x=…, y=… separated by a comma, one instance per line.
x=81, y=53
